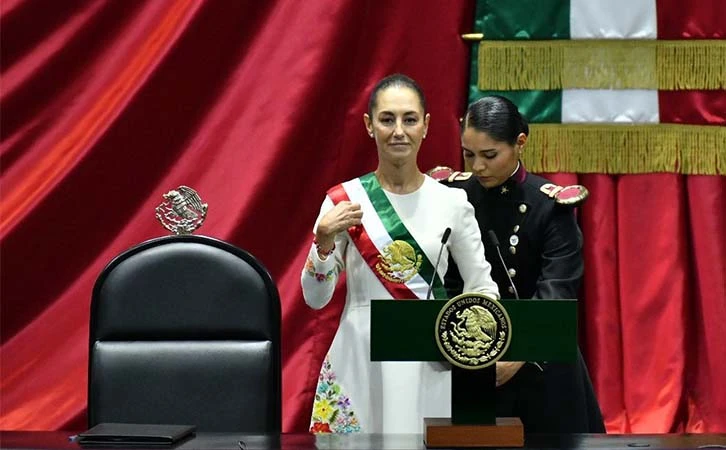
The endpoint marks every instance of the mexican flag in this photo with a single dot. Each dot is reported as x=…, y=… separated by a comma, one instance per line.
x=609, y=86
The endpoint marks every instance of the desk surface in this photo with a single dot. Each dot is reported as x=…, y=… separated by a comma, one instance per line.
x=60, y=440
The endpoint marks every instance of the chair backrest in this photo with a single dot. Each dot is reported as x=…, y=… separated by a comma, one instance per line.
x=186, y=330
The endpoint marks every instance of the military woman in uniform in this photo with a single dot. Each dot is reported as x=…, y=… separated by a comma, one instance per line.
x=541, y=244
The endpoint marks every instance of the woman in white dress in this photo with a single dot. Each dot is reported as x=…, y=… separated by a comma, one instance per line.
x=384, y=230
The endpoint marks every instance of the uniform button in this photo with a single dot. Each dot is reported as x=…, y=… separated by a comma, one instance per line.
x=523, y=208
x=516, y=228
x=513, y=240
x=513, y=250
x=512, y=273
x=510, y=289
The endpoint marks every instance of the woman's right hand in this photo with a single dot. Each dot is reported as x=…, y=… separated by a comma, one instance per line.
x=343, y=216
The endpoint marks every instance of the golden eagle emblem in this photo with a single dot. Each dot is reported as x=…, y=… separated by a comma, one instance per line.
x=476, y=324
x=473, y=331
x=398, y=262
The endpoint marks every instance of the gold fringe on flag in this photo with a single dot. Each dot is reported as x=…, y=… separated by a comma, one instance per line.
x=626, y=148
x=602, y=64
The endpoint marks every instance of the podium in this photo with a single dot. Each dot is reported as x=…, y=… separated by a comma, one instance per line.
x=541, y=330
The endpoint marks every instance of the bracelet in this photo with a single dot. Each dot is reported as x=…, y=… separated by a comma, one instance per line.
x=322, y=252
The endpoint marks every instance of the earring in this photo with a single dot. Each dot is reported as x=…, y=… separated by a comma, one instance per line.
x=370, y=134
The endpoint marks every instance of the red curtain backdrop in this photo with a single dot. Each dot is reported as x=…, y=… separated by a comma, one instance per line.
x=106, y=105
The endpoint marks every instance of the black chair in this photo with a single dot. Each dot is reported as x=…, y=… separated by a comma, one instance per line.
x=186, y=330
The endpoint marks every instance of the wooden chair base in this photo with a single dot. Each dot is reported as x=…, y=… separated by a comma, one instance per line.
x=440, y=432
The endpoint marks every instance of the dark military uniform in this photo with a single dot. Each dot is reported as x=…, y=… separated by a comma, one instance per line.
x=542, y=246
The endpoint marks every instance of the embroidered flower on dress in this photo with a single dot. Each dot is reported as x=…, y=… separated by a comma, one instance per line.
x=332, y=412
x=322, y=277
x=323, y=409
x=320, y=428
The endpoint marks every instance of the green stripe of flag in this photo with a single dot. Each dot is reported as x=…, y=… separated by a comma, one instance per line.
x=522, y=19
x=536, y=106
x=398, y=231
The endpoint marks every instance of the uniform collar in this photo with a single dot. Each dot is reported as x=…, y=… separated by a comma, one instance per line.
x=520, y=174
x=512, y=184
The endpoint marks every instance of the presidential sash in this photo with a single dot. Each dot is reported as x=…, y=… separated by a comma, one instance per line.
x=385, y=243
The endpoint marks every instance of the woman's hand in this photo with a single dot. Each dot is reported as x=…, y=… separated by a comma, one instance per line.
x=506, y=370
x=343, y=216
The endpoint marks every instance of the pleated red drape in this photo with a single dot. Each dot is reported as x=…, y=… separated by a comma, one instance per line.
x=653, y=301
x=106, y=105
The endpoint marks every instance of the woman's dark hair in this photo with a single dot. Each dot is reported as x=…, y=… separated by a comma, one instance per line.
x=396, y=80
x=498, y=117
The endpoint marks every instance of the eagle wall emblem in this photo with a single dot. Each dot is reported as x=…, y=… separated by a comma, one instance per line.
x=182, y=211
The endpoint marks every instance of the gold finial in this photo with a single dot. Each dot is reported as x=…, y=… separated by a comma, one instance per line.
x=474, y=37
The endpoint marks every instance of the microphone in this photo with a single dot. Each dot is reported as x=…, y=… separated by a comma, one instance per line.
x=495, y=242
x=444, y=239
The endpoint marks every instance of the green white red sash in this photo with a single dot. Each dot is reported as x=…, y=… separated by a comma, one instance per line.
x=381, y=227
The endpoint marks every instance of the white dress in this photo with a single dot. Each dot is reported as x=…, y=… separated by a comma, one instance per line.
x=354, y=393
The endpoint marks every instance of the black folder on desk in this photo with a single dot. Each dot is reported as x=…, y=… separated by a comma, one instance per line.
x=134, y=435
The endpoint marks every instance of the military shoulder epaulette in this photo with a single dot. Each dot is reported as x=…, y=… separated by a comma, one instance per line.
x=459, y=176
x=444, y=173
x=572, y=195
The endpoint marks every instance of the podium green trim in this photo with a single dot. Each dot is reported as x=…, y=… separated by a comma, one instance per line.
x=542, y=330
